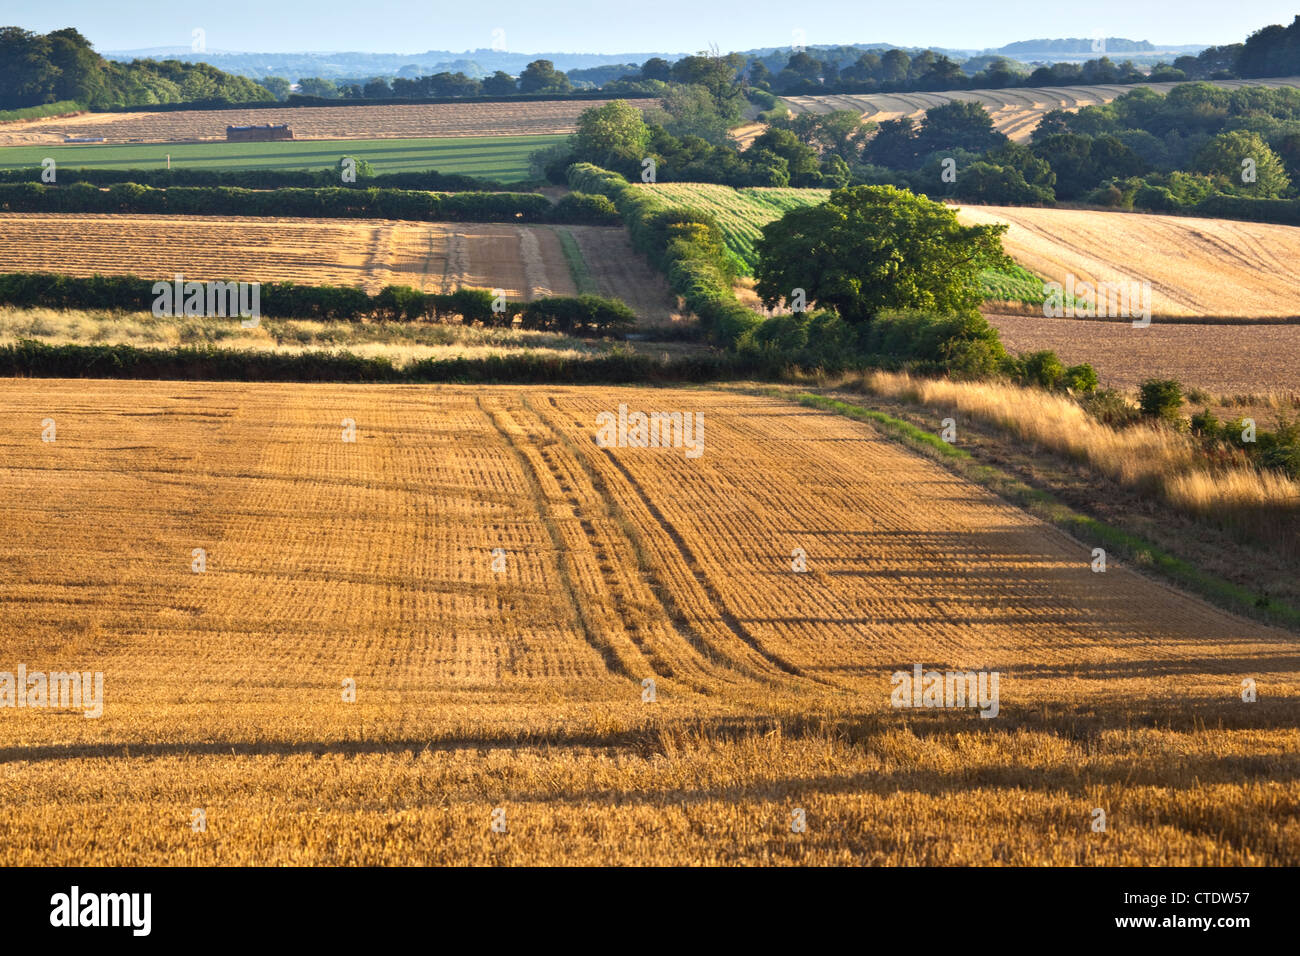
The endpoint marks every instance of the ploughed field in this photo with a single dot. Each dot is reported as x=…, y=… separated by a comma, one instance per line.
x=1224, y=358
x=398, y=120
x=524, y=261
x=1015, y=111
x=500, y=587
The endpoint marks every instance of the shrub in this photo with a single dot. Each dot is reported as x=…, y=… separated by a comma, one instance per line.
x=1081, y=379
x=1161, y=398
x=1043, y=369
x=1111, y=408
x=1205, y=425
x=585, y=208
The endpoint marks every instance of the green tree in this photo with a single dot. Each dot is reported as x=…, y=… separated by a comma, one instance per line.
x=609, y=133
x=540, y=76
x=315, y=86
x=277, y=86
x=500, y=83
x=1233, y=157
x=874, y=248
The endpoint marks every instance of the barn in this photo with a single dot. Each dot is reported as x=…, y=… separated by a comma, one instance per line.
x=258, y=134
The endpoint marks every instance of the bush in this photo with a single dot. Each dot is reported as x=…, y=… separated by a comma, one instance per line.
x=1043, y=369
x=1111, y=408
x=1161, y=399
x=1205, y=425
x=585, y=208
x=1081, y=379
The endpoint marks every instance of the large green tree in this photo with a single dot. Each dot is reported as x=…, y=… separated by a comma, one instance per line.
x=540, y=76
x=609, y=133
x=875, y=248
x=1231, y=156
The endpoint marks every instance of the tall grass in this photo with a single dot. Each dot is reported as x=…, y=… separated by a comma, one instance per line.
x=1261, y=505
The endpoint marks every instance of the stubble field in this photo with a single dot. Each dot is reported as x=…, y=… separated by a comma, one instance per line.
x=1015, y=111
x=522, y=688
x=1196, y=267
x=524, y=261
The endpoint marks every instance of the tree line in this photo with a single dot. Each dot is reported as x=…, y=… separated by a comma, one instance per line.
x=36, y=69
x=585, y=315
x=333, y=202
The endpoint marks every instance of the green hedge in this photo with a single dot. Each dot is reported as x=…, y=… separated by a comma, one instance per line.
x=334, y=202
x=1222, y=206
x=38, y=360
x=255, y=178
x=585, y=315
x=37, y=112
x=686, y=245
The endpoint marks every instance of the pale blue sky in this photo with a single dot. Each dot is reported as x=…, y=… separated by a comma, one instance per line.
x=612, y=26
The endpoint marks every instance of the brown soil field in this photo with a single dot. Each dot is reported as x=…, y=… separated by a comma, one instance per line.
x=1196, y=267
x=522, y=688
x=398, y=121
x=1226, y=359
x=1015, y=112
x=524, y=261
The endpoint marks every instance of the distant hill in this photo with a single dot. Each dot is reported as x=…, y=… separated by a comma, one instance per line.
x=351, y=65
x=1077, y=45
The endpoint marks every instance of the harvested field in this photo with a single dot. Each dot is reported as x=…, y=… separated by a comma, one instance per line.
x=1233, y=359
x=620, y=272
x=1015, y=111
x=521, y=688
x=524, y=261
x=314, y=122
x=1196, y=267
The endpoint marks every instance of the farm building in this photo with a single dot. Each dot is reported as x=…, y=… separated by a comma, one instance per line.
x=258, y=134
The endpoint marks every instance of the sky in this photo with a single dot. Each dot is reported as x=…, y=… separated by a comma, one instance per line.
x=613, y=26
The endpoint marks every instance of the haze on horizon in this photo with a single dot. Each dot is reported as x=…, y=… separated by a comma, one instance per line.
x=669, y=26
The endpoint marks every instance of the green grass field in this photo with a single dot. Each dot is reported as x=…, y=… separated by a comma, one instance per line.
x=503, y=158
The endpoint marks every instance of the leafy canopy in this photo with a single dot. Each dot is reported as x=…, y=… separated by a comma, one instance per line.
x=870, y=249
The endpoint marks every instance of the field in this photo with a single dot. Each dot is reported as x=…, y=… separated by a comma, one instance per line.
x=503, y=158
x=740, y=213
x=522, y=688
x=1196, y=267
x=1015, y=112
x=1225, y=359
x=397, y=121
x=526, y=262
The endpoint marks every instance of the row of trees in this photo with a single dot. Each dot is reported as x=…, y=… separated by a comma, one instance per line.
x=61, y=65
x=333, y=202
x=538, y=78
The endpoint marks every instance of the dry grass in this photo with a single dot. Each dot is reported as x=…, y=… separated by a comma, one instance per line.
x=1145, y=457
x=400, y=342
x=522, y=689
